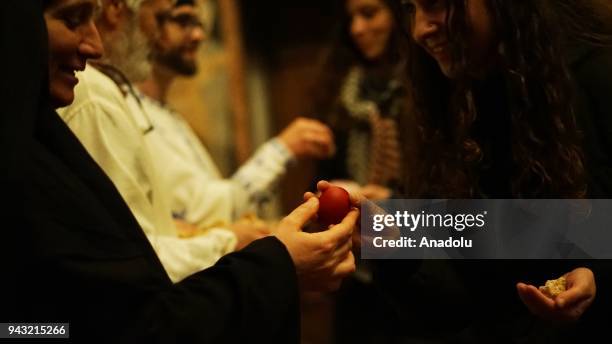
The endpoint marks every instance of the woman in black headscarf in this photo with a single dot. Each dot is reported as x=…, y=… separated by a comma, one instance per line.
x=77, y=253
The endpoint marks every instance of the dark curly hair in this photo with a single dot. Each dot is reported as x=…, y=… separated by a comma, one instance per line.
x=443, y=158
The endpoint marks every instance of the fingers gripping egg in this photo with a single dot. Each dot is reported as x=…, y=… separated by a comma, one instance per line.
x=334, y=204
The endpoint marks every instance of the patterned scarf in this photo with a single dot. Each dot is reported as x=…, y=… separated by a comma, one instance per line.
x=373, y=155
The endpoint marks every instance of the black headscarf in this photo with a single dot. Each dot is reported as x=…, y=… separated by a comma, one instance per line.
x=21, y=85
x=22, y=93
x=53, y=187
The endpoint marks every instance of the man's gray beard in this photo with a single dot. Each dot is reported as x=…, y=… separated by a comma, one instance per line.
x=129, y=52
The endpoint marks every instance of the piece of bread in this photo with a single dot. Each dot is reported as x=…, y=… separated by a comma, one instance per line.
x=552, y=288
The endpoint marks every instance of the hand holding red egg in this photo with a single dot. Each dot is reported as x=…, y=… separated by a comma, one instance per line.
x=334, y=206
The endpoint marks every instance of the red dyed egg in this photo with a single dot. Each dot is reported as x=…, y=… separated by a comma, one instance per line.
x=334, y=204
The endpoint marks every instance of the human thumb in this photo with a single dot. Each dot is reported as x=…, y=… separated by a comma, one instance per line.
x=300, y=215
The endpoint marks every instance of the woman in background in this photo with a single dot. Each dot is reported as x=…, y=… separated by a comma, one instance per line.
x=360, y=98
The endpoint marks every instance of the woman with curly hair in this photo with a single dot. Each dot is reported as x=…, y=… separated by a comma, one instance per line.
x=506, y=99
x=512, y=66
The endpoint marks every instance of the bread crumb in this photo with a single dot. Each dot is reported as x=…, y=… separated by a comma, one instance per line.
x=552, y=288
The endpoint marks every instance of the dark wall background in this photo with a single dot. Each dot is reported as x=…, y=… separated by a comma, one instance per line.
x=288, y=38
x=271, y=26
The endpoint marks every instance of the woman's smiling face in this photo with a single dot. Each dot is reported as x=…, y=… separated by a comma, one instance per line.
x=429, y=28
x=370, y=26
x=73, y=38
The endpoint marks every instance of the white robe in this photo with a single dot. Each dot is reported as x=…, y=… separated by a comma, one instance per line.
x=112, y=128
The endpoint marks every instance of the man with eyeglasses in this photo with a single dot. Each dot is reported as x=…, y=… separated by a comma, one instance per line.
x=192, y=173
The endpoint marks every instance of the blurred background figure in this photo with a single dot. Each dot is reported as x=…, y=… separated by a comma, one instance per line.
x=360, y=96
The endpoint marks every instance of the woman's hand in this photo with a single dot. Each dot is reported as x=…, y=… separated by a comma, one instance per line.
x=569, y=305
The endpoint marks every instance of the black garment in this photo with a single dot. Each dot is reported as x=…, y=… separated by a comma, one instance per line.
x=17, y=116
x=592, y=72
x=80, y=256
x=492, y=130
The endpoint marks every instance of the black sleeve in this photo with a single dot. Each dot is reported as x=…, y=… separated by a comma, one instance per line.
x=81, y=264
x=248, y=296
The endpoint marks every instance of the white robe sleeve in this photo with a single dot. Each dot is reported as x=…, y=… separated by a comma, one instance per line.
x=260, y=175
x=183, y=257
